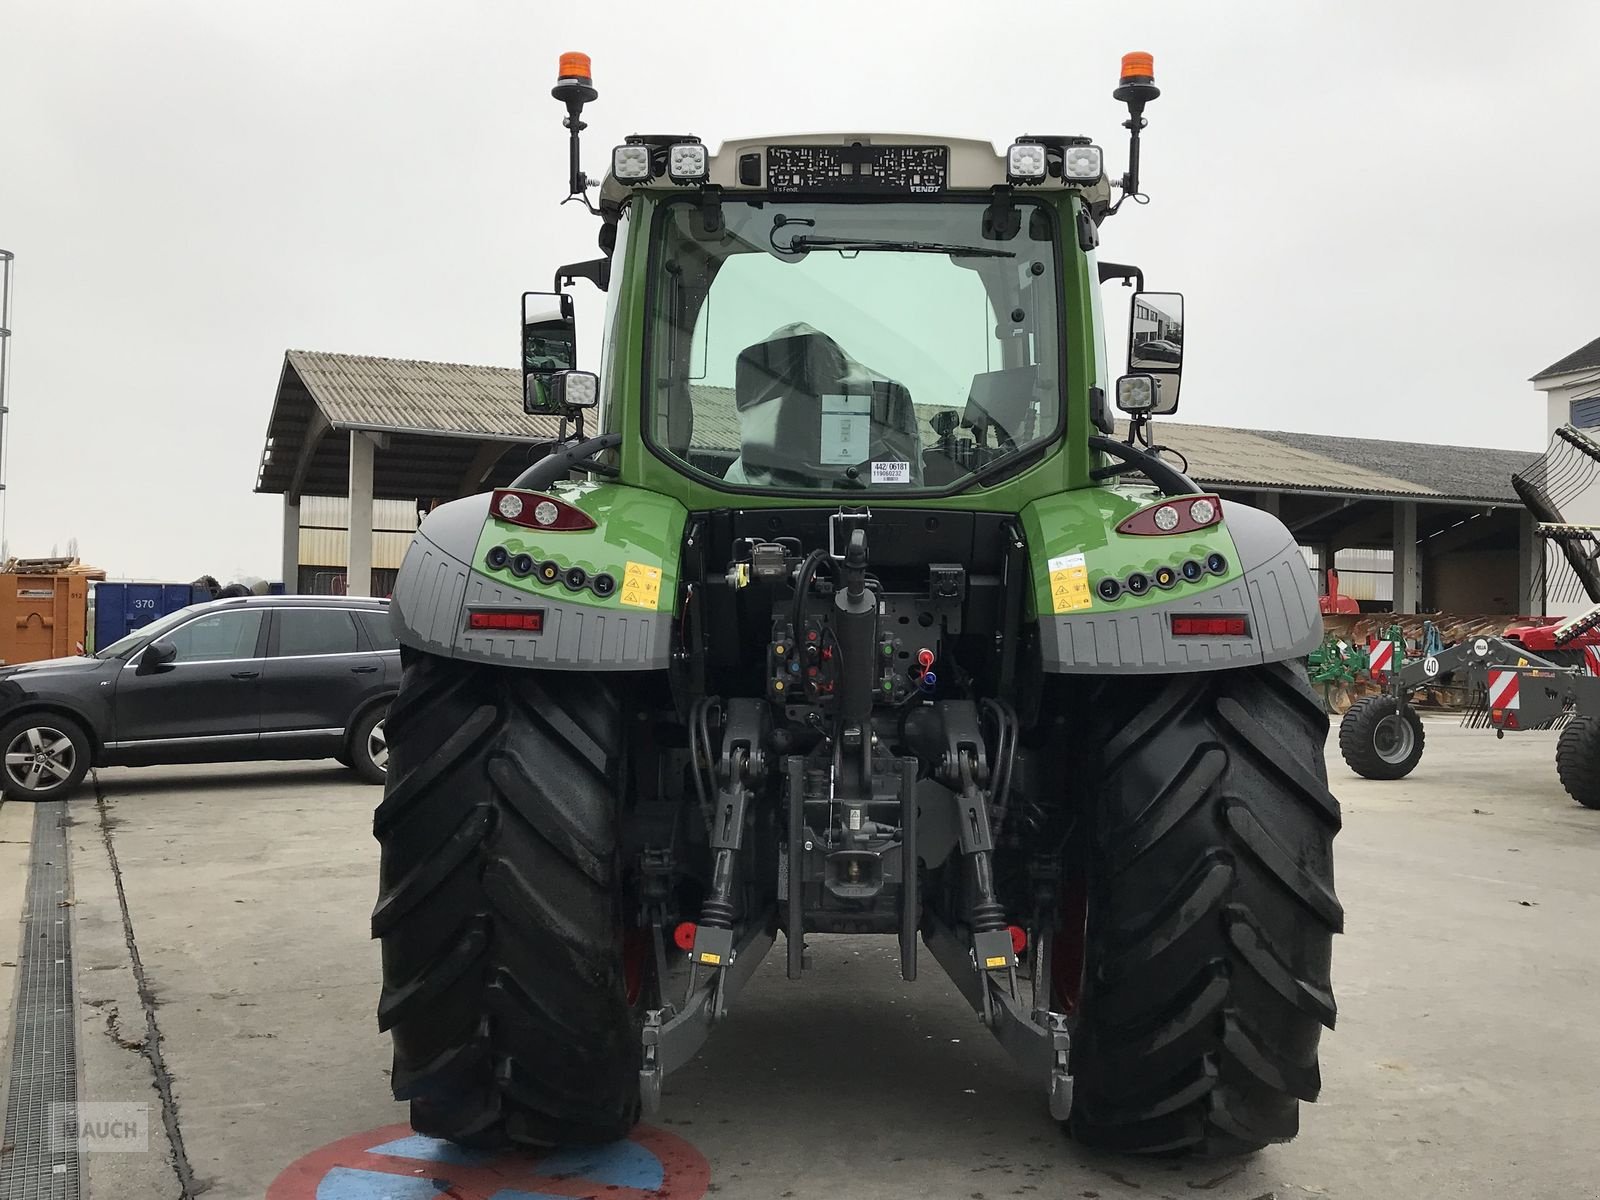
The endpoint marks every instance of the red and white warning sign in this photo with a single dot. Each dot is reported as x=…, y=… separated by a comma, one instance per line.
x=1591, y=659
x=1381, y=661
x=1503, y=689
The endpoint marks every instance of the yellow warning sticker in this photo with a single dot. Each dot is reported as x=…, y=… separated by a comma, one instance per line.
x=713, y=959
x=641, y=586
x=1069, y=583
x=997, y=961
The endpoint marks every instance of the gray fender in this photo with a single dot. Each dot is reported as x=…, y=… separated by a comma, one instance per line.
x=437, y=584
x=1276, y=591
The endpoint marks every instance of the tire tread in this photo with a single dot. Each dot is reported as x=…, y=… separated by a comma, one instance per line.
x=1204, y=999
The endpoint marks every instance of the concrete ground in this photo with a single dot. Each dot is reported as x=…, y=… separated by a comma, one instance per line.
x=1463, y=1066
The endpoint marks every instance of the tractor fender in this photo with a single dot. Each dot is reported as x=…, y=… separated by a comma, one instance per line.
x=444, y=577
x=1273, y=589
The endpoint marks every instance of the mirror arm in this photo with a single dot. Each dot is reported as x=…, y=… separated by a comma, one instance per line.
x=1170, y=480
x=596, y=270
x=1124, y=272
x=559, y=463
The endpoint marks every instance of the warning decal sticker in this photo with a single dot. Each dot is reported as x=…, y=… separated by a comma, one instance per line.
x=1069, y=584
x=641, y=586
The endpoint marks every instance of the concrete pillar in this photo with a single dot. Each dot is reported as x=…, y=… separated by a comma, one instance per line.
x=1407, y=563
x=1530, y=567
x=290, y=565
x=358, y=572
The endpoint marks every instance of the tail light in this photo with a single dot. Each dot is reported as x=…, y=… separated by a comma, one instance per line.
x=520, y=620
x=1177, y=514
x=535, y=510
x=1222, y=626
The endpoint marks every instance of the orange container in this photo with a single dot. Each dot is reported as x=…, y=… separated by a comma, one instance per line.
x=44, y=608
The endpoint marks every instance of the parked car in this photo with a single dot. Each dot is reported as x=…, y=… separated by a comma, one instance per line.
x=1158, y=350
x=260, y=677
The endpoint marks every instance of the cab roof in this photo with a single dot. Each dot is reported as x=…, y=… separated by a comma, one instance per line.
x=973, y=164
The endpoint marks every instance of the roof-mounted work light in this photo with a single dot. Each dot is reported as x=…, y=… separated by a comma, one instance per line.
x=688, y=162
x=631, y=163
x=1082, y=164
x=1026, y=162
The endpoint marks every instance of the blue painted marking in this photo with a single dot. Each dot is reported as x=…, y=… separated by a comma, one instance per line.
x=430, y=1149
x=626, y=1164
x=349, y=1183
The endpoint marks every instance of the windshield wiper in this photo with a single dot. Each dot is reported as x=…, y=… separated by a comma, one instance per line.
x=810, y=242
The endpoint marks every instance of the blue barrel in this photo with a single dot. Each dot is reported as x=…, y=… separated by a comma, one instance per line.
x=120, y=608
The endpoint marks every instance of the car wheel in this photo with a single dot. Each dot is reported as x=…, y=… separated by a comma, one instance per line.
x=46, y=756
x=368, y=748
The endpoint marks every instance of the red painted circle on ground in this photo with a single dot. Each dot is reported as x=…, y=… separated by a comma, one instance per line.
x=393, y=1163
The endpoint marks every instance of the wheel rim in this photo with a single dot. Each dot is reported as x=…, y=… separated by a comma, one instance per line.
x=40, y=758
x=1393, y=738
x=378, y=747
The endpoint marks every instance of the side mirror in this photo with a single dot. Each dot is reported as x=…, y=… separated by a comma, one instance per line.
x=1155, y=347
x=561, y=394
x=549, y=333
x=157, y=654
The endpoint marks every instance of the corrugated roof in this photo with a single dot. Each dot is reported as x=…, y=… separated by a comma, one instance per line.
x=355, y=391
x=1282, y=460
x=450, y=428
x=1218, y=454
x=1466, y=471
x=1584, y=358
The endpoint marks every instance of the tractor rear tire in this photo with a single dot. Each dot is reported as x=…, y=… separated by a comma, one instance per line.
x=1381, y=738
x=1211, y=916
x=1578, y=760
x=501, y=907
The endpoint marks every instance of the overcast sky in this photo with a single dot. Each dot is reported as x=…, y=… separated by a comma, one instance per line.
x=1382, y=214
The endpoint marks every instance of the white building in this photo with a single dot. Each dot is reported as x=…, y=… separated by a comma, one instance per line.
x=1571, y=386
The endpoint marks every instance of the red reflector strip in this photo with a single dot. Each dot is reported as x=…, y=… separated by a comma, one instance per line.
x=1210, y=627
x=521, y=622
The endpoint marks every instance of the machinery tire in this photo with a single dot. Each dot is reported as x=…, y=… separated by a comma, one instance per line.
x=1578, y=760
x=1211, y=917
x=1381, y=738
x=500, y=909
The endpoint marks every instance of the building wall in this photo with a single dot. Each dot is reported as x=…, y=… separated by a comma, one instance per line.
x=1560, y=393
x=325, y=543
x=1472, y=581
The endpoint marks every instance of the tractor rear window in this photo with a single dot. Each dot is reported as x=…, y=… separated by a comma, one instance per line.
x=854, y=346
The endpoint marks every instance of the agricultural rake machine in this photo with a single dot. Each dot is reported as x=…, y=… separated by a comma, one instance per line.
x=1540, y=675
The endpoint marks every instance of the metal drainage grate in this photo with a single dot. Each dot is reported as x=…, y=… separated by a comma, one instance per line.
x=44, y=1065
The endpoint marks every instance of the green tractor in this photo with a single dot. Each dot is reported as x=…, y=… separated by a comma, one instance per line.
x=837, y=606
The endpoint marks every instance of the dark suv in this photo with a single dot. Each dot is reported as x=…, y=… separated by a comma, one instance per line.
x=261, y=677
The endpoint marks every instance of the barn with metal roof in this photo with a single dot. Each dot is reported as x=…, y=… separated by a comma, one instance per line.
x=1424, y=527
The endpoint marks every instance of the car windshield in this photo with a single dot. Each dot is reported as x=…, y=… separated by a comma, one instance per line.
x=895, y=346
x=126, y=645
